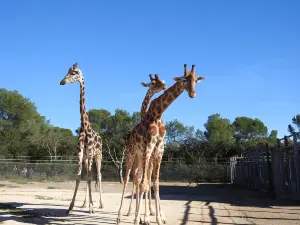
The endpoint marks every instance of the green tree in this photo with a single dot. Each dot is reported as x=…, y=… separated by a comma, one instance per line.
x=176, y=133
x=219, y=134
x=19, y=119
x=296, y=128
x=249, y=132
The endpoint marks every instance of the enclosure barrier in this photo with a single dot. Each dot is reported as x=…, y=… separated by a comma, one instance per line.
x=65, y=170
x=273, y=170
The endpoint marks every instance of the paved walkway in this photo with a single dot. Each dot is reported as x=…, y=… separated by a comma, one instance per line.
x=41, y=203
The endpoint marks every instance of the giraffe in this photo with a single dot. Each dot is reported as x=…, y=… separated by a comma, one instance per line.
x=90, y=143
x=147, y=140
x=155, y=86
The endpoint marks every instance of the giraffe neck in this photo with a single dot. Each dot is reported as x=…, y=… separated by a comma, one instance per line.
x=83, y=113
x=160, y=104
x=145, y=103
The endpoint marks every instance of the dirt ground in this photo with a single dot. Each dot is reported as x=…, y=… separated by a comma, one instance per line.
x=47, y=203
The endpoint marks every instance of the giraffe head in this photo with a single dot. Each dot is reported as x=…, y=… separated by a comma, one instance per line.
x=189, y=80
x=74, y=74
x=155, y=85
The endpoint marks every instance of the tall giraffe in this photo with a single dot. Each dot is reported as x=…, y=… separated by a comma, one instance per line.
x=147, y=140
x=90, y=143
x=155, y=86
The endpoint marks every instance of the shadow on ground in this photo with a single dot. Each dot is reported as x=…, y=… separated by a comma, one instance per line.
x=50, y=215
x=206, y=193
x=227, y=194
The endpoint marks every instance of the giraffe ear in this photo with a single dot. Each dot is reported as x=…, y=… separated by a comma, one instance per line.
x=75, y=65
x=145, y=84
x=200, y=79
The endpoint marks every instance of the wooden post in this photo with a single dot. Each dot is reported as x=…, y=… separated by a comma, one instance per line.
x=270, y=173
x=296, y=163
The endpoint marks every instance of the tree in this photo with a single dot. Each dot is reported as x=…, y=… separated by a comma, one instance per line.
x=56, y=141
x=219, y=134
x=272, y=138
x=248, y=132
x=176, y=133
x=296, y=123
x=18, y=120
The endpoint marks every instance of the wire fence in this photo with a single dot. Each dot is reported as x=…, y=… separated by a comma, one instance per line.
x=64, y=170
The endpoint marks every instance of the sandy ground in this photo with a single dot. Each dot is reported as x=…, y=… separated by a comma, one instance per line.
x=47, y=203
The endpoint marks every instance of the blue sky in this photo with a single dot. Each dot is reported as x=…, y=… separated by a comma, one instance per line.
x=248, y=51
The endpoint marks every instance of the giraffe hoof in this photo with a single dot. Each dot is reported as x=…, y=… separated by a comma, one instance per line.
x=152, y=213
x=164, y=222
x=141, y=221
x=92, y=210
x=101, y=207
x=118, y=220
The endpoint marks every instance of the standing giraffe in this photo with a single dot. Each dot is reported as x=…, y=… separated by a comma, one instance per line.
x=147, y=137
x=155, y=86
x=90, y=143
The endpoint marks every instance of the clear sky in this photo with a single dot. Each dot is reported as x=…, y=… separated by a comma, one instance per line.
x=248, y=51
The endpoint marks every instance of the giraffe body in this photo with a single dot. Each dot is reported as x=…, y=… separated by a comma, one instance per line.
x=147, y=140
x=155, y=86
x=90, y=143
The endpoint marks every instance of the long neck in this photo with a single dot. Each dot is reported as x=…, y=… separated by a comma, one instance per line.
x=145, y=103
x=160, y=104
x=83, y=114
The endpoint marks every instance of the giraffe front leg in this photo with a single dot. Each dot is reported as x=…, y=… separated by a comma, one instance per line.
x=144, y=182
x=152, y=213
x=78, y=178
x=160, y=218
x=129, y=163
x=86, y=194
x=89, y=181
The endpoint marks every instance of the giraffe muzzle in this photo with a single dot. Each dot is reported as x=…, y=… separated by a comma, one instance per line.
x=192, y=94
x=62, y=82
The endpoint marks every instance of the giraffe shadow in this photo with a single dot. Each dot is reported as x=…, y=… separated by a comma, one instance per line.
x=31, y=213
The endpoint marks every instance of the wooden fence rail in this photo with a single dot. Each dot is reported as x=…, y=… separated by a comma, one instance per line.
x=275, y=170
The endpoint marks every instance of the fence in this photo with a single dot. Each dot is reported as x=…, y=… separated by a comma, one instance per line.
x=64, y=170
x=271, y=170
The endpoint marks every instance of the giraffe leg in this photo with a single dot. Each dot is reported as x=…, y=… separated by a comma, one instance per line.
x=144, y=169
x=137, y=193
x=160, y=218
x=87, y=190
x=152, y=213
x=99, y=181
x=132, y=196
x=78, y=178
x=89, y=177
x=126, y=178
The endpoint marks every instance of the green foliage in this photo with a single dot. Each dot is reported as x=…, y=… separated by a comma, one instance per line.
x=23, y=131
x=296, y=128
x=249, y=132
